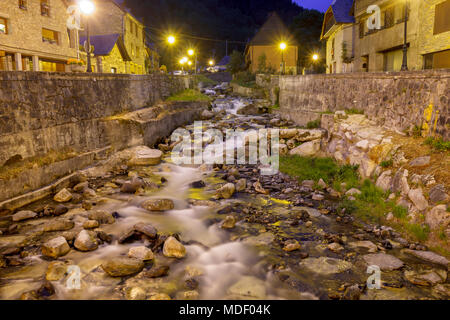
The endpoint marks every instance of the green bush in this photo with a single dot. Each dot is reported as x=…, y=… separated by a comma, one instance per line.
x=386, y=163
x=245, y=79
x=313, y=124
x=438, y=144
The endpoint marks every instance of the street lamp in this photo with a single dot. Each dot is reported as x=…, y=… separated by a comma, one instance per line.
x=315, y=57
x=405, y=46
x=211, y=62
x=191, y=53
x=171, y=39
x=87, y=8
x=283, y=47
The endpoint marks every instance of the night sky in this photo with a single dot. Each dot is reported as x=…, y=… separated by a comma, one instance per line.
x=321, y=5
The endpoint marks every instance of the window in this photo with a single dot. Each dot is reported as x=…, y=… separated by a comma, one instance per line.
x=441, y=20
x=23, y=4
x=113, y=70
x=393, y=60
x=49, y=36
x=45, y=8
x=389, y=17
x=3, y=26
x=437, y=60
x=361, y=29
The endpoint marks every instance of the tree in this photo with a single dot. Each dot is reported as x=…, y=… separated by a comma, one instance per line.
x=236, y=62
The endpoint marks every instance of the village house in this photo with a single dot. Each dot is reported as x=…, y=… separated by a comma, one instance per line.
x=339, y=30
x=118, y=39
x=381, y=49
x=34, y=35
x=265, y=45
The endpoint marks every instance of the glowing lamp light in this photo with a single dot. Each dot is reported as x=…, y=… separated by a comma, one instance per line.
x=211, y=62
x=191, y=52
x=315, y=57
x=182, y=61
x=190, y=63
x=171, y=39
x=87, y=7
x=283, y=46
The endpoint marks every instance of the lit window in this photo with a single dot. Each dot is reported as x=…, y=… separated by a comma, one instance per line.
x=23, y=4
x=3, y=26
x=49, y=36
x=113, y=70
x=45, y=8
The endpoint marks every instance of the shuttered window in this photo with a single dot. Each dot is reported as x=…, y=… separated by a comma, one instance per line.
x=441, y=17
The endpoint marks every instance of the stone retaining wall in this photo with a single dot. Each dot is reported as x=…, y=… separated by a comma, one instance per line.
x=397, y=100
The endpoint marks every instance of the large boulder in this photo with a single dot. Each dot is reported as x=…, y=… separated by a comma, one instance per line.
x=103, y=217
x=438, y=217
x=226, y=191
x=438, y=194
x=173, y=248
x=429, y=256
x=58, y=225
x=400, y=182
x=384, y=181
x=417, y=197
x=141, y=253
x=23, y=215
x=122, y=266
x=55, y=247
x=85, y=241
x=158, y=205
x=384, y=261
x=307, y=149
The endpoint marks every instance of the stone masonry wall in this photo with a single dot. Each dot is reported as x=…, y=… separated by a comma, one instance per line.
x=396, y=100
x=40, y=111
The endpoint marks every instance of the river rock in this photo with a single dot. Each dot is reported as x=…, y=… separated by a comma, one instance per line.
x=146, y=157
x=60, y=209
x=426, y=277
x=291, y=245
x=56, y=270
x=228, y=223
x=85, y=241
x=438, y=217
x=103, y=217
x=173, y=248
x=428, y=256
x=368, y=245
x=135, y=293
x=89, y=193
x=23, y=215
x=384, y=181
x=55, y=247
x=207, y=115
x=141, y=253
x=420, y=162
x=122, y=266
x=63, y=196
x=417, y=197
x=248, y=288
x=352, y=293
x=325, y=266
x=335, y=247
x=81, y=186
x=307, y=149
x=58, y=225
x=226, y=191
x=258, y=188
x=384, y=261
x=147, y=229
x=157, y=272
x=131, y=186
x=91, y=224
x=438, y=194
x=241, y=184
x=158, y=205
x=159, y=296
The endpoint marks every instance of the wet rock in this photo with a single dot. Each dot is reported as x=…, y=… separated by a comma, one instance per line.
x=426, y=277
x=352, y=293
x=438, y=217
x=441, y=291
x=55, y=247
x=325, y=265
x=127, y=235
x=438, y=194
x=158, y=205
x=191, y=284
x=147, y=229
x=368, y=245
x=249, y=288
x=63, y=196
x=420, y=162
x=307, y=149
x=85, y=241
x=335, y=247
x=89, y=193
x=103, y=217
x=131, y=187
x=291, y=245
x=141, y=253
x=263, y=239
x=103, y=236
x=228, y=223
x=122, y=266
x=56, y=270
x=81, y=186
x=135, y=293
x=159, y=296
x=198, y=184
x=91, y=224
x=46, y=290
x=146, y=157
x=308, y=224
x=173, y=248
x=60, y=209
x=258, y=188
x=23, y=215
x=241, y=184
x=3, y=262
x=417, y=197
x=188, y=295
x=384, y=261
x=157, y=272
x=58, y=225
x=428, y=256
x=226, y=191
x=384, y=181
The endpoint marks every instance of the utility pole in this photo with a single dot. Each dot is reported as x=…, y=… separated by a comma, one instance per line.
x=405, y=43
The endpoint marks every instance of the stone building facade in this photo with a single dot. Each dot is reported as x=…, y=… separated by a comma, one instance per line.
x=34, y=35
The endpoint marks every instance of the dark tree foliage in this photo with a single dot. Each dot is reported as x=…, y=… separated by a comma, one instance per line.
x=233, y=20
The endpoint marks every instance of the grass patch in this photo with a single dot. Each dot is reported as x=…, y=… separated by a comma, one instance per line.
x=438, y=144
x=313, y=124
x=420, y=232
x=12, y=170
x=400, y=212
x=387, y=163
x=189, y=95
x=354, y=111
x=206, y=81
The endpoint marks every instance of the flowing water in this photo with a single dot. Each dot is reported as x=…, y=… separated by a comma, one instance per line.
x=247, y=262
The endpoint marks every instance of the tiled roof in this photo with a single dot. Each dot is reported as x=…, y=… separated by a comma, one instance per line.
x=341, y=11
x=273, y=31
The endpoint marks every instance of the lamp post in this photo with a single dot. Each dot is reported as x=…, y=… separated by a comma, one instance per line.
x=87, y=8
x=283, y=47
x=405, y=46
x=171, y=41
